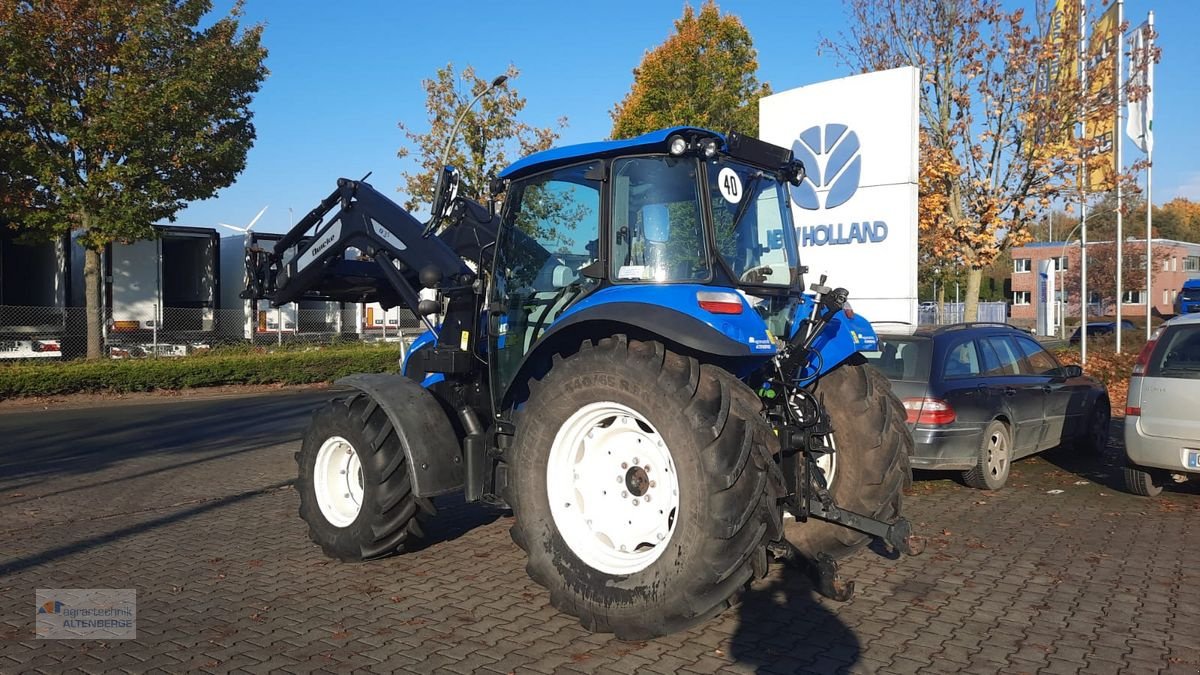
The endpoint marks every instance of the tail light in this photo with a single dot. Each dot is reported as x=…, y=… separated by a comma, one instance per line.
x=719, y=302
x=45, y=346
x=1133, y=411
x=1143, y=357
x=929, y=411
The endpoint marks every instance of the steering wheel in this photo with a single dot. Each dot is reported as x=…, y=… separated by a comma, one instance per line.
x=443, y=196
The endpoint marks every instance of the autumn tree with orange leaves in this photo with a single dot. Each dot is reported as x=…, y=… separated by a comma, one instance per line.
x=703, y=75
x=116, y=113
x=996, y=102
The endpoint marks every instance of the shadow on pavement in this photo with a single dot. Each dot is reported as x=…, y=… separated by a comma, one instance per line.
x=455, y=518
x=782, y=628
x=81, y=441
x=59, y=552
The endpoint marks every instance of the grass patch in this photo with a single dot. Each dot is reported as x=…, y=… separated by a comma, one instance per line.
x=199, y=370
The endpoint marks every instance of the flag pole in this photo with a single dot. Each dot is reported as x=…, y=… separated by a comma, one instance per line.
x=1118, y=137
x=1148, y=55
x=1083, y=298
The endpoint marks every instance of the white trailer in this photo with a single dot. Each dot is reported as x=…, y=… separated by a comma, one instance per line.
x=162, y=293
x=33, y=297
x=257, y=319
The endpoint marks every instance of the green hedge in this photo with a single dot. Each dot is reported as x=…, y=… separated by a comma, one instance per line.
x=200, y=370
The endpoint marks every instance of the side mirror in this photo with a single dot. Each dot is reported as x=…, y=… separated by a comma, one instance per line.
x=443, y=196
x=1072, y=371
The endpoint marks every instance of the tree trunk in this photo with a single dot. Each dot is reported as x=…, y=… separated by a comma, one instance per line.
x=971, y=300
x=91, y=291
x=941, y=303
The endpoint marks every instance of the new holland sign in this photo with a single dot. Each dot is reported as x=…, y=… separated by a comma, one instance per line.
x=856, y=212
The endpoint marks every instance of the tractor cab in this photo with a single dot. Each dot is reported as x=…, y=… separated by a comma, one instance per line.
x=685, y=216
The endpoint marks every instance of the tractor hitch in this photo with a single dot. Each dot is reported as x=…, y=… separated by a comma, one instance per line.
x=896, y=536
x=822, y=570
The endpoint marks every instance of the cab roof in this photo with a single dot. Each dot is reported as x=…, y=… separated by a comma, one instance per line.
x=568, y=154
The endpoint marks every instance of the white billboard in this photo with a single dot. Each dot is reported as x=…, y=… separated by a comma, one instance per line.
x=856, y=213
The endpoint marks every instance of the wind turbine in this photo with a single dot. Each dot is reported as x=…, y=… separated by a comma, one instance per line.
x=246, y=230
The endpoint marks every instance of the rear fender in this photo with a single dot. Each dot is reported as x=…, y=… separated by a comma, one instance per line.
x=843, y=337
x=430, y=444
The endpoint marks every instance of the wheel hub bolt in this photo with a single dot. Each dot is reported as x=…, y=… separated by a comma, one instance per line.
x=647, y=498
x=624, y=465
x=635, y=502
x=624, y=494
x=652, y=483
x=635, y=460
x=661, y=536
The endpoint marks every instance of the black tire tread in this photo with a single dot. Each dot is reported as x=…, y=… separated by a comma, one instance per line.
x=736, y=447
x=390, y=520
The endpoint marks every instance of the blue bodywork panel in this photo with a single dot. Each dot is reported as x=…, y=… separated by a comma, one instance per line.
x=841, y=338
x=546, y=159
x=844, y=336
x=745, y=329
x=424, y=341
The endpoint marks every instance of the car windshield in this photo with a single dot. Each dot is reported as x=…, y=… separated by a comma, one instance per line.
x=1190, y=294
x=902, y=359
x=753, y=223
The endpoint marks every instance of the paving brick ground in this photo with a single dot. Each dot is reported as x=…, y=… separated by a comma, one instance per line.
x=199, y=517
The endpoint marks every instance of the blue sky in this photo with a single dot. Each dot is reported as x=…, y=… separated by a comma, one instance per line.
x=344, y=73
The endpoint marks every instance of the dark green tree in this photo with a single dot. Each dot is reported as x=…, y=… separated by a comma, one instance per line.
x=703, y=75
x=116, y=113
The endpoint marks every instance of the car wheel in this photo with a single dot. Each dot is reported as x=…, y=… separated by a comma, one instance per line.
x=995, y=457
x=1144, y=482
x=1094, y=437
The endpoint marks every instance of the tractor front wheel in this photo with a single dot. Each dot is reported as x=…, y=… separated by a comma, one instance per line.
x=644, y=487
x=355, y=490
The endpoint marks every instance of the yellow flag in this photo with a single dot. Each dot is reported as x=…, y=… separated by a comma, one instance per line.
x=1063, y=71
x=1101, y=119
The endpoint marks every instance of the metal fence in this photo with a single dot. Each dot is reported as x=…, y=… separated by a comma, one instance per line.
x=149, y=331
x=954, y=312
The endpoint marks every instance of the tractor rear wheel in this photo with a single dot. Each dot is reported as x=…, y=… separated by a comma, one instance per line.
x=355, y=490
x=644, y=486
x=872, y=447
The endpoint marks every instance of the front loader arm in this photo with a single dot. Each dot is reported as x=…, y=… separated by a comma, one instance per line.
x=370, y=250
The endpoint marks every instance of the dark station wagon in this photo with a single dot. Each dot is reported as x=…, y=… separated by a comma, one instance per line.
x=979, y=396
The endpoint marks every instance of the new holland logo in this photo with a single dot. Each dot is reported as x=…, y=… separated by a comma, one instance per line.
x=833, y=160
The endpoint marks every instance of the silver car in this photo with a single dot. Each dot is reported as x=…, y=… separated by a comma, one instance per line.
x=1162, y=417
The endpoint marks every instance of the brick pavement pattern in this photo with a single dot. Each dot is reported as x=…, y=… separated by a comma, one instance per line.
x=1091, y=580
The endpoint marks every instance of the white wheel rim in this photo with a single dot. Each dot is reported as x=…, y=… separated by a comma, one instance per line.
x=338, y=481
x=613, y=488
x=827, y=461
x=997, y=455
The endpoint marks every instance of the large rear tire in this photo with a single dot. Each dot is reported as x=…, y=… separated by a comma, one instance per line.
x=610, y=433
x=355, y=490
x=872, y=448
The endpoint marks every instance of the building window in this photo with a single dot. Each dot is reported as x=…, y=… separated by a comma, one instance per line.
x=1021, y=297
x=1191, y=263
x=1166, y=296
x=1132, y=298
x=1062, y=264
x=1165, y=265
x=1174, y=264
x=1021, y=264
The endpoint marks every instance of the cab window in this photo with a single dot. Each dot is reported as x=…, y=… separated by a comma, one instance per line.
x=657, y=223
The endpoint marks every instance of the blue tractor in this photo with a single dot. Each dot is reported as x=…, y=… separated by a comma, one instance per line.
x=625, y=356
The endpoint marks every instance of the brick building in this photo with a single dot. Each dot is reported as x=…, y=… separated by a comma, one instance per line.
x=1177, y=261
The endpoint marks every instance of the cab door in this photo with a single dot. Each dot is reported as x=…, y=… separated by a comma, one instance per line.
x=549, y=234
